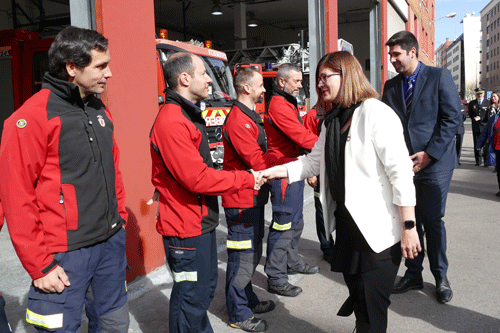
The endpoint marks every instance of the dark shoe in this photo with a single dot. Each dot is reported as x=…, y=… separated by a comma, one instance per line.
x=406, y=283
x=264, y=306
x=304, y=270
x=477, y=164
x=251, y=325
x=285, y=289
x=443, y=291
x=498, y=194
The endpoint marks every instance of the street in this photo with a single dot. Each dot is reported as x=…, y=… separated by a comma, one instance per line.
x=473, y=251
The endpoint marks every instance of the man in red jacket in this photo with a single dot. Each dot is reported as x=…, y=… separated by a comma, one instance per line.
x=62, y=190
x=245, y=147
x=188, y=186
x=286, y=137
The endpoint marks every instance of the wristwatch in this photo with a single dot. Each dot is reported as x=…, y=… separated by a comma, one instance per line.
x=409, y=224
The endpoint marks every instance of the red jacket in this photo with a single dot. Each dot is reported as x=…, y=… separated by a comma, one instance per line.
x=183, y=172
x=60, y=184
x=311, y=120
x=285, y=131
x=245, y=147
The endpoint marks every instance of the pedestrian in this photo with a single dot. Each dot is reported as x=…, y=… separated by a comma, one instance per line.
x=286, y=137
x=312, y=121
x=493, y=106
x=490, y=140
x=62, y=190
x=4, y=324
x=478, y=110
x=188, y=186
x=245, y=145
x=430, y=114
x=368, y=196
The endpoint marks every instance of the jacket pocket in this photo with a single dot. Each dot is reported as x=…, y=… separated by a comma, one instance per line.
x=46, y=310
x=70, y=206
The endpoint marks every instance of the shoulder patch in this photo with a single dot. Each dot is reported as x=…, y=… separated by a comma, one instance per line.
x=21, y=123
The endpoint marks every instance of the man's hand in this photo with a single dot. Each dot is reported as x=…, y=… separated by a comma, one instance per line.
x=477, y=118
x=54, y=282
x=420, y=161
x=410, y=243
x=155, y=197
x=313, y=181
x=259, y=180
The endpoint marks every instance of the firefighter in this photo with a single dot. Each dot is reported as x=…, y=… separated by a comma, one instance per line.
x=62, y=190
x=286, y=137
x=188, y=186
x=245, y=147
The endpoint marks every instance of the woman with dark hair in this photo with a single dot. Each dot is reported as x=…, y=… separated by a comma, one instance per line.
x=368, y=195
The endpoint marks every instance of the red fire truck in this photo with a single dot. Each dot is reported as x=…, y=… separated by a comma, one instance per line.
x=24, y=60
x=221, y=95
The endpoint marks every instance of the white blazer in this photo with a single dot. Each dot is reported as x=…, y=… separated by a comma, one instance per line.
x=378, y=174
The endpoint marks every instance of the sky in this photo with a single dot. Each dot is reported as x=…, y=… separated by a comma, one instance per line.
x=451, y=28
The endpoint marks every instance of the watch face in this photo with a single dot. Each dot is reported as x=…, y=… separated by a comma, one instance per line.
x=409, y=224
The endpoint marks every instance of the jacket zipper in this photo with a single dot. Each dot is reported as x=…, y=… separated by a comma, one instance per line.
x=61, y=201
x=90, y=141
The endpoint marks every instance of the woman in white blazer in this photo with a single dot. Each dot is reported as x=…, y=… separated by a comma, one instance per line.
x=368, y=195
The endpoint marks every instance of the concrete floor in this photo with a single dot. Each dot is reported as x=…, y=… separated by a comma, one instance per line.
x=472, y=221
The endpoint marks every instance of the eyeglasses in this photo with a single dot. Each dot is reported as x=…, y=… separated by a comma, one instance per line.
x=324, y=77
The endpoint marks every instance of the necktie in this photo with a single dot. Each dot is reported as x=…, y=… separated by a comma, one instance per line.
x=408, y=94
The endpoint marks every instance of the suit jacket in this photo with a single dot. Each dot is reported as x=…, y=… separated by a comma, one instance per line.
x=476, y=109
x=378, y=174
x=433, y=119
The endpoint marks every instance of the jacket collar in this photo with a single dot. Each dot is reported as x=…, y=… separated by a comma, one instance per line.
x=64, y=89
x=288, y=97
x=174, y=98
x=249, y=112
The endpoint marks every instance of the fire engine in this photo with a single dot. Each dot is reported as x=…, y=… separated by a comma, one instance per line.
x=221, y=94
x=24, y=60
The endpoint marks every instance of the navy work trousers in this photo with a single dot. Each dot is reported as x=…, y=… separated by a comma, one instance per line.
x=244, y=248
x=193, y=262
x=285, y=231
x=431, y=191
x=101, y=266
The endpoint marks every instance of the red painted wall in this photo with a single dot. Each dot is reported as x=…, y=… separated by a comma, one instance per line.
x=132, y=99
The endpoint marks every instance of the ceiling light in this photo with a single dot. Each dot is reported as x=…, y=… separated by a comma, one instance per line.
x=216, y=10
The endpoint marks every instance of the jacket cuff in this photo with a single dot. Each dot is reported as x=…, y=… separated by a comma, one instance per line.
x=50, y=267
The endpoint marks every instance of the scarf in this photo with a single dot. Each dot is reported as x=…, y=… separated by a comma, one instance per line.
x=335, y=119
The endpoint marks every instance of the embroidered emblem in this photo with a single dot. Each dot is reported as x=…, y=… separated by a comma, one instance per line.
x=178, y=252
x=247, y=126
x=21, y=123
x=100, y=119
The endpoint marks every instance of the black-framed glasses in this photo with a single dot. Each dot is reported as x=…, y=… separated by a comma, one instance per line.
x=324, y=77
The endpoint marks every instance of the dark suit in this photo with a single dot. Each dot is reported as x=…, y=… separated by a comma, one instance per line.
x=430, y=125
x=475, y=110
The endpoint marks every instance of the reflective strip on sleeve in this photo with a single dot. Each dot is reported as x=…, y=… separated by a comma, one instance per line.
x=239, y=245
x=48, y=321
x=282, y=227
x=185, y=276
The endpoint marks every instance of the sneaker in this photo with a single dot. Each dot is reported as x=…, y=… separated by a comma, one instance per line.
x=264, y=306
x=251, y=325
x=285, y=289
x=304, y=270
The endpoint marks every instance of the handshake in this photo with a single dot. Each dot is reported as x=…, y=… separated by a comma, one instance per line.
x=264, y=176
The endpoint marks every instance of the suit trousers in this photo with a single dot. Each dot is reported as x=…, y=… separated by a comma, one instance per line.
x=477, y=153
x=285, y=230
x=244, y=249
x=193, y=262
x=431, y=192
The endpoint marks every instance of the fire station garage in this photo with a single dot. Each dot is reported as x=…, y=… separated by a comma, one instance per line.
x=250, y=31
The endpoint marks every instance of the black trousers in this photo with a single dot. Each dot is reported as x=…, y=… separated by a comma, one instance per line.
x=369, y=294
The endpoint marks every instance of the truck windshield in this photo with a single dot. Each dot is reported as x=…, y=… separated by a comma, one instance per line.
x=222, y=88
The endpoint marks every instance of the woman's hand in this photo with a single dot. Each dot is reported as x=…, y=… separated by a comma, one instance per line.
x=410, y=243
